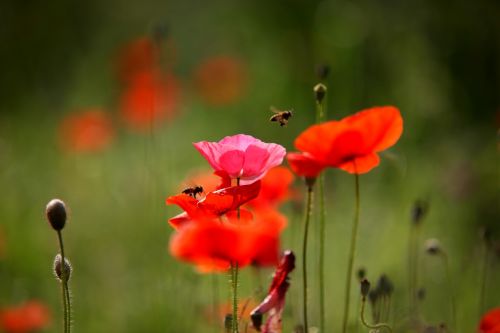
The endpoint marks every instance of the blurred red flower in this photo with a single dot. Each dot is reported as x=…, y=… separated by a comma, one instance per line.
x=220, y=80
x=90, y=130
x=149, y=99
x=350, y=144
x=490, y=322
x=27, y=317
x=138, y=55
x=213, y=243
x=275, y=299
x=275, y=188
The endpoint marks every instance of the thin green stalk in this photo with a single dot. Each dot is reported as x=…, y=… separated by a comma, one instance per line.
x=484, y=275
x=234, y=283
x=452, y=290
x=65, y=289
x=375, y=326
x=320, y=116
x=304, y=253
x=352, y=254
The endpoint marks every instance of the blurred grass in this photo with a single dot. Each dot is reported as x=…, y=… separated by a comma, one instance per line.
x=438, y=63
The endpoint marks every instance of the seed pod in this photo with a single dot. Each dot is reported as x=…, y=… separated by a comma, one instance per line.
x=56, y=214
x=365, y=287
x=58, y=270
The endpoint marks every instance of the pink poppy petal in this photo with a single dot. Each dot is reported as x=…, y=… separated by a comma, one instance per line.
x=255, y=161
x=232, y=162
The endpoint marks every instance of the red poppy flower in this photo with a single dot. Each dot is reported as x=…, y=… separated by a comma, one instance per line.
x=350, y=144
x=90, y=130
x=26, y=317
x=149, y=99
x=220, y=80
x=214, y=204
x=275, y=188
x=213, y=243
x=490, y=322
x=275, y=300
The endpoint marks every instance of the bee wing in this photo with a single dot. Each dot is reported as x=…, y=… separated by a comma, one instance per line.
x=274, y=110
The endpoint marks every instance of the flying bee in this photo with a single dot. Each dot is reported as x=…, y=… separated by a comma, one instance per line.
x=193, y=191
x=281, y=116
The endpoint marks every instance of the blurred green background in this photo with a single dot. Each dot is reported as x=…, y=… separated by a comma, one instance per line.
x=437, y=61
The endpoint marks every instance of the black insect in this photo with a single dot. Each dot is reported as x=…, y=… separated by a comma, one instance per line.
x=193, y=191
x=281, y=116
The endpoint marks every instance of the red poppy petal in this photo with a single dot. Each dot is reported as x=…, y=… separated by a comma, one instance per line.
x=179, y=220
x=185, y=202
x=360, y=165
x=304, y=165
x=381, y=126
x=317, y=138
x=230, y=198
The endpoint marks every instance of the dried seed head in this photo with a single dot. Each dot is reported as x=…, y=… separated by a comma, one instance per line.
x=418, y=211
x=256, y=318
x=228, y=322
x=385, y=285
x=432, y=246
x=319, y=92
x=365, y=287
x=421, y=294
x=56, y=213
x=58, y=271
x=361, y=273
x=322, y=71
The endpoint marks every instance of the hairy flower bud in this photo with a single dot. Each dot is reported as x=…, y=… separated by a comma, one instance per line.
x=361, y=273
x=319, y=92
x=58, y=268
x=432, y=246
x=56, y=214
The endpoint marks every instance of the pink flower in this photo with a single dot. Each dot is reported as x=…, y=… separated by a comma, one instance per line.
x=242, y=156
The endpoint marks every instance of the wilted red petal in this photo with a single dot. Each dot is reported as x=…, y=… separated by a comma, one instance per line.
x=275, y=300
x=27, y=317
x=490, y=322
x=304, y=165
x=89, y=130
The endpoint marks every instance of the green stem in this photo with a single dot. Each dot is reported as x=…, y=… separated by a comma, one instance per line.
x=484, y=275
x=304, y=253
x=64, y=284
x=234, y=275
x=452, y=290
x=352, y=254
x=375, y=326
x=320, y=116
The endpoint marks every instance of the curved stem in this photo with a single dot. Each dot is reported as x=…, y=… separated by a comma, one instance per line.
x=64, y=284
x=352, y=254
x=375, y=326
x=304, y=253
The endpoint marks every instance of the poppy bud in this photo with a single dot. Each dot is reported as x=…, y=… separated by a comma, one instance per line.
x=432, y=246
x=385, y=285
x=322, y=71
x=319, y=92
x=56, y=214
x=361, y=273
x=418, y=211
x=365, y=287
x=373, y=296
x=58, y=269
